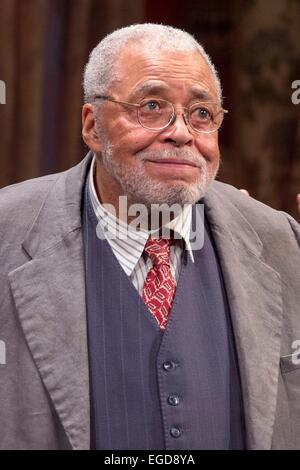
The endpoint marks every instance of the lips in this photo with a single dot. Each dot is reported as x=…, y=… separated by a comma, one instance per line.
x=173, y=161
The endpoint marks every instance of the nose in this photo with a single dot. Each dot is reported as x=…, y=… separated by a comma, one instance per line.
x=178, y=132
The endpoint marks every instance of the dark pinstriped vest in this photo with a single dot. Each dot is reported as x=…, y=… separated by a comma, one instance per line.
x=151, y=390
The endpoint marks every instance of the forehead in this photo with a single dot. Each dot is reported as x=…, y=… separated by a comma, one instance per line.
x=143, y=72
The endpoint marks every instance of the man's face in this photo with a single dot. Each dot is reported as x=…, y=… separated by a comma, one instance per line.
x=174, y=165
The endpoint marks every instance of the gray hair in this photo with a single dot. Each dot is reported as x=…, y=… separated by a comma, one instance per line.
x=100, y=71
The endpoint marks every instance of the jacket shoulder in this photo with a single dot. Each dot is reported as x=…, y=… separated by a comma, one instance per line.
x=247, y=205
x=21, y=202
x=266, y=221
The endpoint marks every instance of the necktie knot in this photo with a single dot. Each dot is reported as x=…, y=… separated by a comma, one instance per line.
x=158, y=249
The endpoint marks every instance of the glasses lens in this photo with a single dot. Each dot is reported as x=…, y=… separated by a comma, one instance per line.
x=205, y=117
x=155, y=113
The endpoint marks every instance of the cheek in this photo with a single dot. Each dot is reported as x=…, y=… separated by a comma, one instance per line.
x=208, y=146
x=133, y=141
x=126, y=135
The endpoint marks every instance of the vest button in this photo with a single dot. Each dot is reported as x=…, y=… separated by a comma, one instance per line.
x=173, y=400
x=175, y=432
x=169, y=365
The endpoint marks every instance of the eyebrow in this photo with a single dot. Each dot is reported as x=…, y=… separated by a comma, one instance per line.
x=149, y=88
x=201, y=94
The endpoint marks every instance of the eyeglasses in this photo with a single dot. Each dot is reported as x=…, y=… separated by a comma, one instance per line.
x=156, y=114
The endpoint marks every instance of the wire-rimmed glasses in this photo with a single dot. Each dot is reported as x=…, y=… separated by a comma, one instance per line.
x=155, y=114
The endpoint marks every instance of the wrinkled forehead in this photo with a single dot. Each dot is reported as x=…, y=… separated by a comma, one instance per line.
x=143, y=71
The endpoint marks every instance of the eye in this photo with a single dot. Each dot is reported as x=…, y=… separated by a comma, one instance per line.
x=150, y=106
x=202, y=113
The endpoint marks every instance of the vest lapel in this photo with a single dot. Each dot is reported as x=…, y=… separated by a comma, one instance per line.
x=254, y=295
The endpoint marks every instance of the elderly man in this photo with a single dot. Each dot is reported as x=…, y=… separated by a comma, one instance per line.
x=119, y=336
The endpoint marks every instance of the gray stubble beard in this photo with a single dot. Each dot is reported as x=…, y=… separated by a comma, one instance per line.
x=142, y=189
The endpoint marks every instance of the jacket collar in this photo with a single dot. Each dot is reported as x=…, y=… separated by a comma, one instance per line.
x=60, y=213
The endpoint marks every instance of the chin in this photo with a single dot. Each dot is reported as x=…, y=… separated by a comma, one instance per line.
x=176, y=193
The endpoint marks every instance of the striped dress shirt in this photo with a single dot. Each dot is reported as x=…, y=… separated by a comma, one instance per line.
x=128, y=244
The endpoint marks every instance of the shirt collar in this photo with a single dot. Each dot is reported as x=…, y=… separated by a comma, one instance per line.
x=127, y=242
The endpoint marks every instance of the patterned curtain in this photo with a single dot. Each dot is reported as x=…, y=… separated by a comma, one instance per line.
x=44, y=45
x=266, y=122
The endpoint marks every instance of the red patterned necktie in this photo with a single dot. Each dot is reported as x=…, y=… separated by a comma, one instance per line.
x=159, y=286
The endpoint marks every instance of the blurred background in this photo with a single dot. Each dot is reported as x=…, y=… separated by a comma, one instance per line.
x=255, y=45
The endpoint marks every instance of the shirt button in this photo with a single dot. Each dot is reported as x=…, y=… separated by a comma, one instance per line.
x=173, y=400
x=169, y=365
x=175, y=432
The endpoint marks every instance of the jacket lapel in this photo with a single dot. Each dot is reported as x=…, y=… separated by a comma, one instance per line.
x=254, y=295
x=49, y=294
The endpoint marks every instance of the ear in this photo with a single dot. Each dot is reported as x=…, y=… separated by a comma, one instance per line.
x=89, y=133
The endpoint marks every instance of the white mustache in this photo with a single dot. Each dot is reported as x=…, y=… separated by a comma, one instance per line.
x=167, y=154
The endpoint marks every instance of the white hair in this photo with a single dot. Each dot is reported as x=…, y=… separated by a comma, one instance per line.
x=100, y=71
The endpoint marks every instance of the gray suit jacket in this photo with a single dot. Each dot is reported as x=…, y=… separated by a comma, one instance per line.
x=44, y=376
